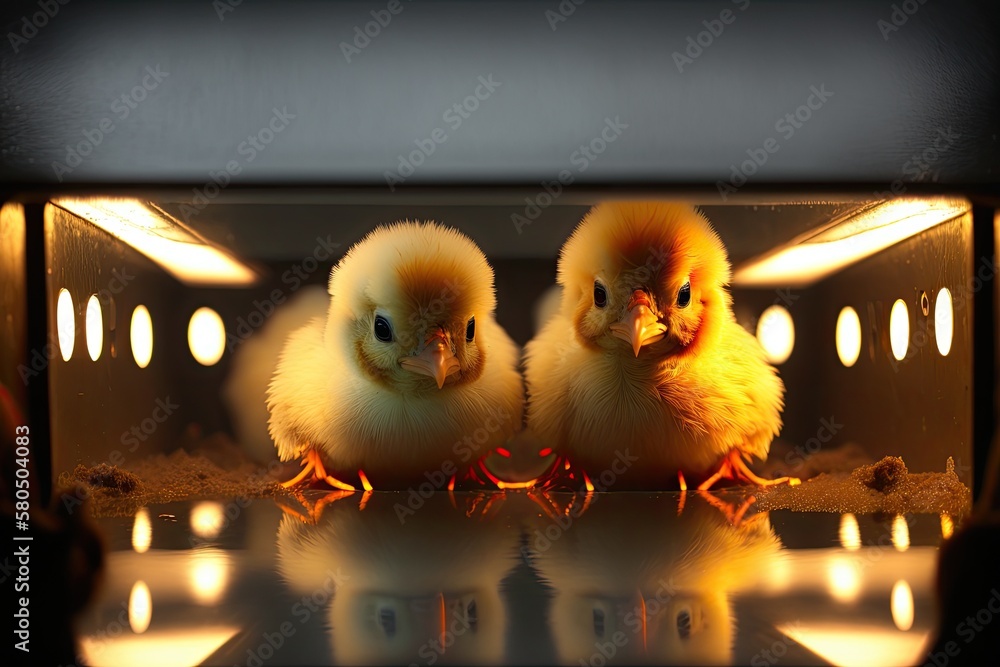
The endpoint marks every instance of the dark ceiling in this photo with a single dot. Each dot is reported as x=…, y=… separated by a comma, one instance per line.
x=279, y=232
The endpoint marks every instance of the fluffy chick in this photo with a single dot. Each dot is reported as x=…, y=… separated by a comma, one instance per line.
x=645, y=357
x=408, y=363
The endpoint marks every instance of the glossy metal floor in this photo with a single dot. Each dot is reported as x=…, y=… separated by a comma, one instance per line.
x=511, y=579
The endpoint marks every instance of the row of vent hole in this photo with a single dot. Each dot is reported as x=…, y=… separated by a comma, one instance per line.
x=206, y=331
x=776, y=330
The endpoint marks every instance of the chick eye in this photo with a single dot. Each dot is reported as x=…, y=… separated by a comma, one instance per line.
x=470, y=330
x=600, y=295
x=387, y=621
x=684, y=624
x=598, y=622
x=684, y=295
x=383, y=330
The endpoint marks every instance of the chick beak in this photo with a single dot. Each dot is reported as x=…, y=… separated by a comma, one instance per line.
x=639, y=326
x=435, y=360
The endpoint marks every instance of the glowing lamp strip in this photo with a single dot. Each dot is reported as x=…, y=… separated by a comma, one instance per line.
x=161, y=238
x=862, y=235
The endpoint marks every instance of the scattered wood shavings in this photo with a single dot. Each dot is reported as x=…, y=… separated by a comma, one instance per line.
x=883, y=487
x=115, y=491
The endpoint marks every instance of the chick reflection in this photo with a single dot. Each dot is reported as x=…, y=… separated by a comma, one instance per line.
x=410, y=587
x=636, y=583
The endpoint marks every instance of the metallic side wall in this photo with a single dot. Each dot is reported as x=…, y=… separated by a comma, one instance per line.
x=96, y=404
x=920, y=407
x=15, y=370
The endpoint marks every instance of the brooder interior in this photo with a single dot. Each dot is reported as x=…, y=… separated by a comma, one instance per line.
x=867, y=309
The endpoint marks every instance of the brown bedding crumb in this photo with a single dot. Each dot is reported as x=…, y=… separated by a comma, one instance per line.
x=115, y=491
x=104, y=476
x=885, y=487
x=883, y=476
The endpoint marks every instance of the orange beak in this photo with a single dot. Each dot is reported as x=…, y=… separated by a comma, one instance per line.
x=436, y=360
x=639, y=326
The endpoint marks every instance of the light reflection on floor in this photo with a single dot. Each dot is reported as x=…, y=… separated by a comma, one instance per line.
x=511, y=579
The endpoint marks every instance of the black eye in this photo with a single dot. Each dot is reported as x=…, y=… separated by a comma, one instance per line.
x=684, y=295
x=598, y=622
x=600, y=295
x=383, y=331
x=470, y=330
x=684, y=625
x=387, y=619
x=472, y=615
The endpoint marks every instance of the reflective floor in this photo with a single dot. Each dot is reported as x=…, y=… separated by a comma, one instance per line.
x=515, y=578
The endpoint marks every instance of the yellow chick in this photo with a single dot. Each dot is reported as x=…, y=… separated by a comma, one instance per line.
x=630, y=591
x=644, y=373
x=408, y=375
x=399, y=587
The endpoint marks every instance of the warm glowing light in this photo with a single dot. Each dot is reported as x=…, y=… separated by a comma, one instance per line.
x=207, y=519
x=843, y=580
x=845, y=645
x=947, y=526
x=902, y=605
x=588, y=483
x=899, y=329
x=206, y=336
x=141, y=336
x=944, y=321
x=850, y=533
x=900, y=533
x=848, y=336
x=162, y=238
x=65, y=323
x=157, y=648
x=847, y=241
x=95, y=328
x=776, y=333
x=365, y=484
x=208, y=575
x=140, y=607
x=142, y=531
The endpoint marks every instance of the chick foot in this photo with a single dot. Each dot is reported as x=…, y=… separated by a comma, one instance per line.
x=735, y=468
x=312, y=462
x=313, y=510
x=734, y=513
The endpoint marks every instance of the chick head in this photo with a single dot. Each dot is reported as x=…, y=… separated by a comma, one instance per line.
x=645, y=277
x=405, y=300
